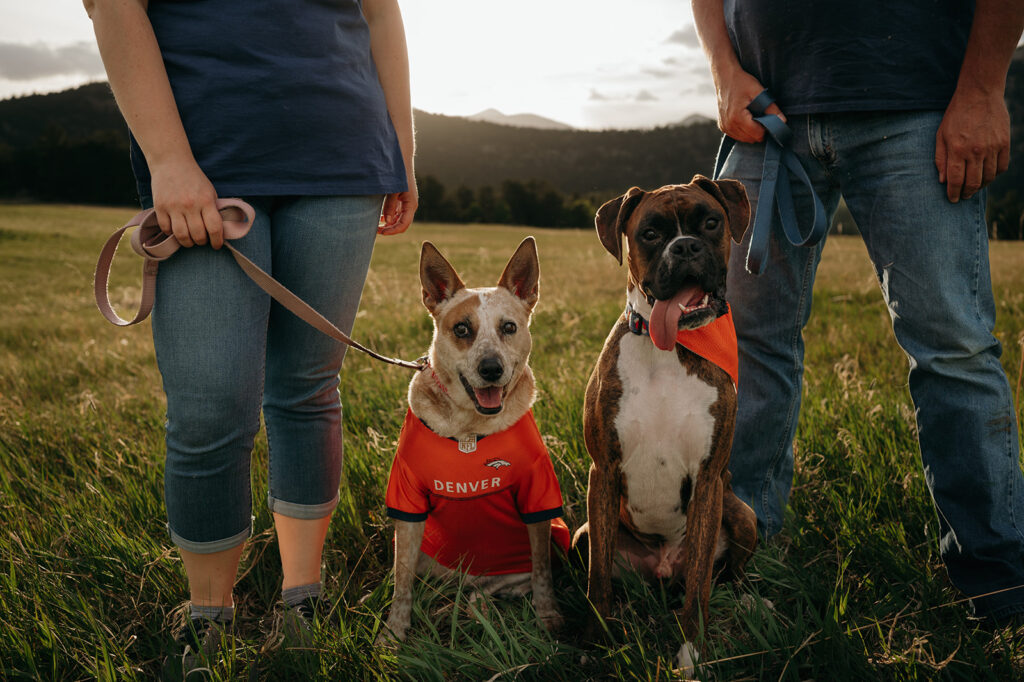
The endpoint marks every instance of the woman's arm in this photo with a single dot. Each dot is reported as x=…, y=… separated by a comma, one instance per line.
x=183, y=196
x=387, y=42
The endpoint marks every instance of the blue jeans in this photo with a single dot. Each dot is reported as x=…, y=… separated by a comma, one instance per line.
x=226, y=350
x=931, y=260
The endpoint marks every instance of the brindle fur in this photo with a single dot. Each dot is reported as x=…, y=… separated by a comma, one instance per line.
x=710, y=503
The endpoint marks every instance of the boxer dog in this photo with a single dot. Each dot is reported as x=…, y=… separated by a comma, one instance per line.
x=659, y=415
x=472, y=488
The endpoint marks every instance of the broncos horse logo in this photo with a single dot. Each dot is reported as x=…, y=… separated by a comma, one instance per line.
x=497, y=463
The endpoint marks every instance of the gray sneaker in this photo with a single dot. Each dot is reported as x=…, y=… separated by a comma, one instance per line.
x=196, y=649
x=302, y=621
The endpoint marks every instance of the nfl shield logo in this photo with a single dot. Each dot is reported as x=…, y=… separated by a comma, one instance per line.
x=467, y=445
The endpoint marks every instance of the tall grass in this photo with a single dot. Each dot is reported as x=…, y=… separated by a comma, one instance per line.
x=90, y=587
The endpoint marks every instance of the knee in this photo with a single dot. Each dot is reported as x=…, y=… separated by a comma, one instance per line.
x=203, y=422
x=312, y=394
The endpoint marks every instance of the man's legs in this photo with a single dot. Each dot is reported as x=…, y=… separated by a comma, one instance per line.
x=770, y=312
x=931, y=258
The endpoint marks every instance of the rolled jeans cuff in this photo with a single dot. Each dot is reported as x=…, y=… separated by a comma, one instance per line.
x=294, y=510
x=212, y=546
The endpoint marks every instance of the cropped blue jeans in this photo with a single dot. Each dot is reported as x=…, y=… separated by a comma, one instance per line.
x=931, y=260
x=226, y=352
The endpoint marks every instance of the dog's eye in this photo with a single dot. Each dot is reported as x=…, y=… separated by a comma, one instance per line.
x=461, y=330
x=711, y=224
x=509, y=328
x=650, y=235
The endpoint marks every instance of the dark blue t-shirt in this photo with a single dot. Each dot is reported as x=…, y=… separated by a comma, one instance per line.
x=819, y=56
x=278, y=97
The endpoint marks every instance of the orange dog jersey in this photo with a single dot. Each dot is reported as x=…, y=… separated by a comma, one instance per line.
x=476, y=505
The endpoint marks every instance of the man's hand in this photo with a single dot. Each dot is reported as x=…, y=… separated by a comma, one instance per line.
x=972, y=145
x=736, y=90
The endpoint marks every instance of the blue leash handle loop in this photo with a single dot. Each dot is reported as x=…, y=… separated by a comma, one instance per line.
x=776, y=193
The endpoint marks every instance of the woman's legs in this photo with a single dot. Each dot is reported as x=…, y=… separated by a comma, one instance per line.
x=209, y=330
x=321, y=251
x=217, y=335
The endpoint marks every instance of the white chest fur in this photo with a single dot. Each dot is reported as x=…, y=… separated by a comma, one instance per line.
x=665, y=427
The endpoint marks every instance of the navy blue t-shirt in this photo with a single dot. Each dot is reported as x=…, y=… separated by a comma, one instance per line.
x=278, y=97
x=821, y=56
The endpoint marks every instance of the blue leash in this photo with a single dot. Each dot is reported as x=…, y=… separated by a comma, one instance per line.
x=775, y=192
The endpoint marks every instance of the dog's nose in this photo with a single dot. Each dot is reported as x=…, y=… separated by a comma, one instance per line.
x=686, y=246
x=490, y=369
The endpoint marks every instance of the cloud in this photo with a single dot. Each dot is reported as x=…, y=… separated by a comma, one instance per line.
x=21, y=62
x=660, y=73
x=645, y=96
x=596, y=96
x=699, y=88
x=685, y=36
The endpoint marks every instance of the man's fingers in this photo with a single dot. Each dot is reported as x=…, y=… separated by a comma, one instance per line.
x=989, y=172
x=973, y=170
x=742, y=127
x=773, y=108
x=1003, y=160
x=940, y=156
x=954, y=179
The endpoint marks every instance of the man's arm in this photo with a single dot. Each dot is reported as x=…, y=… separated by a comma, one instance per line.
x=183, y=196
x=972, y=145
x=735, y=87
x=387, y=42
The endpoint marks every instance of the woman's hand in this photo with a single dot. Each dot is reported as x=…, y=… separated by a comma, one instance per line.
x=186, y=203
x=398, y=211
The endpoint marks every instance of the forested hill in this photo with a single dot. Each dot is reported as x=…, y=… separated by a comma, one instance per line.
x=73, y=124
x=461, y=152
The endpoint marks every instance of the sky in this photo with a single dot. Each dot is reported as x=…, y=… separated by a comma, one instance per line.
x=588, y=63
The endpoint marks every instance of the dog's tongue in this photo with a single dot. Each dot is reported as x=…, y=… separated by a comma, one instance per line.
x=488, y=397
x=665, y=316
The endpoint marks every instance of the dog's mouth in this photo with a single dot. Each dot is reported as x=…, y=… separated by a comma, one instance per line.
x=486, y=400
x=690, y=308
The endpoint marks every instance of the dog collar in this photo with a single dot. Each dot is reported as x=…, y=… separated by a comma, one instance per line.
x=637, y=323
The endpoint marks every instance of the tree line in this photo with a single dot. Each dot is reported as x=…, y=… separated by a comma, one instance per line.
x=72, y=146
x=534, y=203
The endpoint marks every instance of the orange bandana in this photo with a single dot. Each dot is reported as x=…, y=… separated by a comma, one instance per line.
x=715, y=342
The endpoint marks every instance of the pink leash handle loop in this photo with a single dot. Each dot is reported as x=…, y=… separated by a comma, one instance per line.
x=150, y=242
x=154, y=246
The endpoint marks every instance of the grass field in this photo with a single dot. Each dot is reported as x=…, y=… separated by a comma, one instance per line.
x=89, y=584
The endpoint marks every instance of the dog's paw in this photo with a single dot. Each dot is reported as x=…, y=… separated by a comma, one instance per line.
x=686, y=659
x=551, y=619
x=391, y=636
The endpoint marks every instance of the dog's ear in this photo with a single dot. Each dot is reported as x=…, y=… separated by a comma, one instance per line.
x=522, y=273
x=733, y=198
x=611, y=219
x=438, y=277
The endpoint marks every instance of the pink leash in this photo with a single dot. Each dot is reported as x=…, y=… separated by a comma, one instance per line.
x=154, y=246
